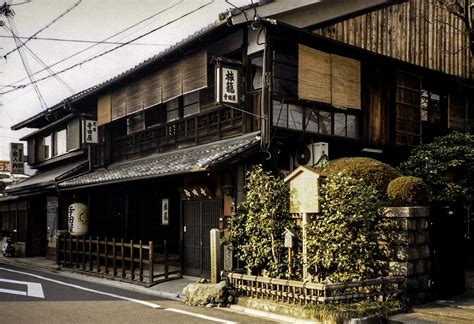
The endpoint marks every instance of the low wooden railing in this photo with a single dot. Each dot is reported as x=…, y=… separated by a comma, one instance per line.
x=131, y=261
x=297, y=292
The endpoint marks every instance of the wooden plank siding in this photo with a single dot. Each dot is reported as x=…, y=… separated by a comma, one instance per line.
x=417, y=32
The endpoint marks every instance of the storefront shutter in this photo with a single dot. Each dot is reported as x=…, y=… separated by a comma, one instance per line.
x=345, y=82
x=314, y=75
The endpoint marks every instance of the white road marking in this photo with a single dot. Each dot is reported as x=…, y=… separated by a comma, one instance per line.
x=34, y=289
x=142, y=302
x=13, y=292
x=209, y=318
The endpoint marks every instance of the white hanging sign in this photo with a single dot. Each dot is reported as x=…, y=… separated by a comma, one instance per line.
x=229, y=85
x=17, y=161
x=89, y=132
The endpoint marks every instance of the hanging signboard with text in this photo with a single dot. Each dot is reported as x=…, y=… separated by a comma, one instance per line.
x=89, y=132
x=228, y=85
x=17, y=161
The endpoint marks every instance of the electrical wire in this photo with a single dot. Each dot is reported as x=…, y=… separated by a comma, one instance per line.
x=27, y=67
x=44, y=65
x=115, y=48
x=80, y=41
x=101, y=42
x=45, y=27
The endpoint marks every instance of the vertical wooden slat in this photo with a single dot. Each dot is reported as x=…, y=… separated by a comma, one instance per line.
x=122, y=254
x=132, y=262
x=106, y=257
x=91, y=261
x=165, y=248
x=70, y=251
x=140, y=258
x=77, y=251
x=150, y=262
x=97, y=251
x=114, y=261
x=83, y=252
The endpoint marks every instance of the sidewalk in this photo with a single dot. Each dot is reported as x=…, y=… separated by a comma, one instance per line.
x=172, y=289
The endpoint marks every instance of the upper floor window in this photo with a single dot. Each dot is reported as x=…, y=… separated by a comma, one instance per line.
x=136, y=122
x=47, y=144
x=60, y=142
x=172, y=109
x=256, y=66
x=191, y=103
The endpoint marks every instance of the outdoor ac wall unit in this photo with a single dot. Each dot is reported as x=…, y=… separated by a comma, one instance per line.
x=311, y=154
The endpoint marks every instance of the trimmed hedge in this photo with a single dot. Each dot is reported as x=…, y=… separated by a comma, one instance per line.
x=373, y=172
x=407, y=191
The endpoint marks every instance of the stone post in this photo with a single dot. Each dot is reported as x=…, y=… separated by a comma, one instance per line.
x=409, y=249
x=215, y=254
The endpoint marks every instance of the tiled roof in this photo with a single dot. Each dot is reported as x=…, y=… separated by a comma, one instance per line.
x=44, y=179
x=197, y=158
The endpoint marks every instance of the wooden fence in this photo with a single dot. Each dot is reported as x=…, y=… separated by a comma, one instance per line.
x=298, y=292
x=146, y=264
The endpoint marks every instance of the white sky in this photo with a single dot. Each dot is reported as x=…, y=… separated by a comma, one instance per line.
x=92, y=20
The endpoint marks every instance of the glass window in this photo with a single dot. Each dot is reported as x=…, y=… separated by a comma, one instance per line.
x=172, y=110
x=256, y=65
x=60, y=142
x=325, y=122
x=430, y=107
x=136, y=123
x=191, y=103
x=352, y=126
x=340, y=124
x=295, y=117
x=312, y=120
x=47, y=146
x=280, y=114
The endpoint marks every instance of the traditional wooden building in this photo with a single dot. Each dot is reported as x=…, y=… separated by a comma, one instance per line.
x=177, y=133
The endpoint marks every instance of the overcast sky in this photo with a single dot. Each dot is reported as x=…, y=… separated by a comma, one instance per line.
x=90, y=20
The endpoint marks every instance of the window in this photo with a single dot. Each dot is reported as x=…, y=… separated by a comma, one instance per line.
x=191, y=103
x=60, y=142
x=316, y=120
x=155, y=115
x=285, y=69
x=136, y=123
x=430, y=107
x=256, y=66
x=73, y=138
x=172, y=110
x=408, y=118
x=47, y=147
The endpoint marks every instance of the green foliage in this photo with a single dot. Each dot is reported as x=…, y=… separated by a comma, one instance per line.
x=341, y=313
x=257, y=230
x=343, y=238
x=446, y=166
x=373, y=172
x=407, y=191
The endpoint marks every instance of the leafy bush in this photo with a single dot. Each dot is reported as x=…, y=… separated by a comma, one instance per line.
x=257, y=230
x=373, y=172
x=446, y=166
x=343, y=240
x=407, y=191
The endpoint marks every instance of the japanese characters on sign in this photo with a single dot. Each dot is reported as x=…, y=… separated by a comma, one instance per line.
x=165, y=211
x=4, y=166
x=89, y=131
x=17, y=162
x=229, y=85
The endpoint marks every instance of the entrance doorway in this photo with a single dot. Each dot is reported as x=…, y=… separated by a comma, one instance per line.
x=200, y=216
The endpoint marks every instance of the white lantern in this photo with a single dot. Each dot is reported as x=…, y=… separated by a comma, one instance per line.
x=78, y=219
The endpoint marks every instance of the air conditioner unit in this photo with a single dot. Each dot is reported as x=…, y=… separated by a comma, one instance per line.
x=311, y=154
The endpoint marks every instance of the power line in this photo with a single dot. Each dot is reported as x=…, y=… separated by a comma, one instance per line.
x=45, y=27
x=80, y=41
x=101, y=42
x=40, y=61
x=115, y=48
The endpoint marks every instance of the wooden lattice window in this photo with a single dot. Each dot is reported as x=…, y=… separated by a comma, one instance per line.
x=408, y=100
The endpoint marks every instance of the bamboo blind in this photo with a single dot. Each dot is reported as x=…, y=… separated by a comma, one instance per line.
x=135, y=92
x=194, y=72
x=152, y=90
x=345, y=82
x=119, y=103
x=314, y=74
x=104, y=110
x=171, y=85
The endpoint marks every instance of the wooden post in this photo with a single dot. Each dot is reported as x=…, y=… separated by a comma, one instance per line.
x=91, y=261
x=98, y=253
x=165, y=248
x=64, y=252
x=83, y=252
x=106, y=258
x=304, y=223
x=122, y=253
x=150, y=262
x=290, y=263
x=114, y=264
x=70, y=251
x=58, y=250
x=140, y=258
x=77, y=252
x=132, y=269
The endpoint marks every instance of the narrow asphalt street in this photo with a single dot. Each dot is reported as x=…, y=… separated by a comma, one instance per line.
x=29, y=296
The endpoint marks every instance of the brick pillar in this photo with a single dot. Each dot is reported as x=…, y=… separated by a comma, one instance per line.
x=409, y=249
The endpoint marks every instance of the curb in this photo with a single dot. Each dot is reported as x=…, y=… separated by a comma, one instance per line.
x=269, y=315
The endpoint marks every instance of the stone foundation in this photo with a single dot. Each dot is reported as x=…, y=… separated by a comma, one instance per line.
x=409, y=249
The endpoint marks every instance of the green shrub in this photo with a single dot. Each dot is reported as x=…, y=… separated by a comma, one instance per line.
x=343, y=240
x=257, y=229
x=373, y=172
x=407, y=191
